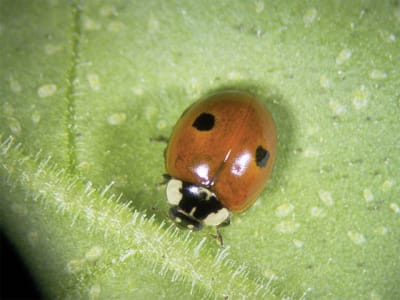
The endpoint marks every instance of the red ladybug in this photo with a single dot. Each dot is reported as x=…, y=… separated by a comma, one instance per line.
x=219, y=158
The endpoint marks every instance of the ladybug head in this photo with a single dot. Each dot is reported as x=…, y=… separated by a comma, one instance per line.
x=194, y=206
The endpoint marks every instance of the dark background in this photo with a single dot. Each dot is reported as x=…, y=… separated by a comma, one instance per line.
x=15, y=279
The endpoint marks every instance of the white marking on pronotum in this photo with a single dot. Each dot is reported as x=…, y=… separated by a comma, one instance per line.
x=174, y=195
x=214, y=219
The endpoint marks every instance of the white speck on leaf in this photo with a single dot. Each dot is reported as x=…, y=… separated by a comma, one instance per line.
x=360, y=98
x=51, y=49
x=284, y=210
x=356, y=237
x=91, y=25
x=260, y=5
x=15, y=126
x=395, y=208
x=326, y=197
x=94, y=254
x=368, y=195
x=324, y=82
x=298, y=244
x=94, y=81
x=318, y=212
x=15, y=86
x=387, y=185
x=343, y=56
x=116, y=119
x=377, y=75
x=47, y=90
x=287, y=227
x=310, y=16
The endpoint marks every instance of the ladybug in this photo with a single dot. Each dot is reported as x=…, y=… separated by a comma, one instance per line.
x=218, y=158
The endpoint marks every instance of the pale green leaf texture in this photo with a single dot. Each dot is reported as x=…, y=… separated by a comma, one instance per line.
x=85, y=89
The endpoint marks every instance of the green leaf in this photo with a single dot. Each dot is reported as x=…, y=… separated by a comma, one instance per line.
x=87, y=86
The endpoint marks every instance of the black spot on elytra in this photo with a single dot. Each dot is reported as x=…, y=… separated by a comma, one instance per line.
x=204, y=122
x=262, y=156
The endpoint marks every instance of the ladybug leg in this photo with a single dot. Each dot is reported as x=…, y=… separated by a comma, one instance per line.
x=219, y=237
x=226, y=222
x=166, y=178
